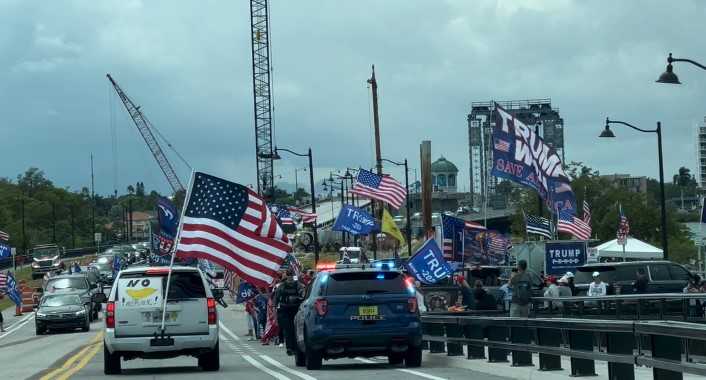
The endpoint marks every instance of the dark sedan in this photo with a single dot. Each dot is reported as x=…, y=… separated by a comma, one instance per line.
x=61, y=312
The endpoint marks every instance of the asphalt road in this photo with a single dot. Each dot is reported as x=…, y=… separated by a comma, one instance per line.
x=79, y=355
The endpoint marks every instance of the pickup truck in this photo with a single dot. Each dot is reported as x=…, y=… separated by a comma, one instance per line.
x=46, y=258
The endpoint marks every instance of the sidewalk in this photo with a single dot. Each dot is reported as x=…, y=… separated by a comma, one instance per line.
x=11, y=320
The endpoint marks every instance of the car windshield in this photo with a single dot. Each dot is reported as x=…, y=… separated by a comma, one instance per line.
x=39, y=253
x=65, y=300
x=353, y=283
x=103, y=266
x=67, y=283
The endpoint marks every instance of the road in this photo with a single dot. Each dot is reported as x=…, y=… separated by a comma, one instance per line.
x=79, y=355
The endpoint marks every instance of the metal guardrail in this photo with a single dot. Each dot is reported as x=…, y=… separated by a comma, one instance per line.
x=668, y=347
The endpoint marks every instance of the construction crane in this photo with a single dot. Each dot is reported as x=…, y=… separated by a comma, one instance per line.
x=262, y=94
x=143, y=125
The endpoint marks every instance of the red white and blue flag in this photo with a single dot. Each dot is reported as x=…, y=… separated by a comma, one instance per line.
x=382, y=188
x=231, y=225
x=307, y=217
x=283, y=215
x=570, y=224
x=4, y=236
x=623, y=228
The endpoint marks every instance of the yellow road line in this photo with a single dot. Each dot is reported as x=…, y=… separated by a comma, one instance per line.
x=82, y=363
x=72, y=360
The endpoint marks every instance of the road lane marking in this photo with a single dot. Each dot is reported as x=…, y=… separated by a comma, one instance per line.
x=20, y=321
x=17, y=326
x=262, y=368
x=285, y=368
x=76, y=358
x=410, y=371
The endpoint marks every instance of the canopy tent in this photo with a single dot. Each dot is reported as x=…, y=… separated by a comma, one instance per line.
x=634, y=249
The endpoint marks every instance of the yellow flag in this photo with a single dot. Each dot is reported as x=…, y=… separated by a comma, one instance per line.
x=389, y=227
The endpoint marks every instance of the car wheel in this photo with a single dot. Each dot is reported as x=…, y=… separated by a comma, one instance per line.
x=211, y=360
x=299, y=357
x=395, y=358
x=40, y=330
x=413, y=358
x=111, y=362
x=314, y=360
x=86, y=325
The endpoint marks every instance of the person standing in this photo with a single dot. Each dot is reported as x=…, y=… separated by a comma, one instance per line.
x=597, y=288
x=287, y=299
x=521, y=284
x=570, y=282
x=641, y=282
x=551, y=292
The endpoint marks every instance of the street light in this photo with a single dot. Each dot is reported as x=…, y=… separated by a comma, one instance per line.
x=608, y=133
x=668, y=76
x=406, y=186
x=275, y=156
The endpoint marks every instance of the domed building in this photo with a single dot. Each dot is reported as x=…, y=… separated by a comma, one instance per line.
x=443, y=176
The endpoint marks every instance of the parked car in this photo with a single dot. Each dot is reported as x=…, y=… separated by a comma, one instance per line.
x=60, y=312
x=134, y=314
x=664, y=276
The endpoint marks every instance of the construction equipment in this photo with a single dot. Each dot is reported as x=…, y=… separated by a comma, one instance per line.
x=262, y=94
x=143, y=125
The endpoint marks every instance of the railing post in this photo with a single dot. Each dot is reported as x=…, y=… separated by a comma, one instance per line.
x=453, y=330
x=549, y=338
x=474, y=331
x=425, y=331
x=620, y=343
x=436, y=329
x=582, y=340
x=521, y=334
x=666, y=347
x=496, y=334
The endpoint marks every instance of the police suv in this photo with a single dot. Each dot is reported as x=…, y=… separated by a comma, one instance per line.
x=133, y=318
x=355, y=311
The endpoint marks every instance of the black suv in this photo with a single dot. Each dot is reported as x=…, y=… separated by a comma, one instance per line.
x=91, y=294
x=664, y=276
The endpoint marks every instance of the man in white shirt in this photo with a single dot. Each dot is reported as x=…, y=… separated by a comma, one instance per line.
x=597, y=288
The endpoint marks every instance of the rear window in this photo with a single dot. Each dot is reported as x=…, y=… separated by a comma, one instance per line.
x=340, y=284
x=659, y=272
x=678, y=273
x=67, y=283
x=184, y=285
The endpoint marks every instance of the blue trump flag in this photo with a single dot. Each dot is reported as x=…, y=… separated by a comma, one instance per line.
x=245, y=292
x=5, y=250
x=521, y=155
x=356, y=221
x=12, y=291
x=428, y=264
x=168, y=216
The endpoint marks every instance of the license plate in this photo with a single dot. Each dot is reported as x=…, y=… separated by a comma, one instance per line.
x=156, y=316
x=161, y=342
x=367, y=311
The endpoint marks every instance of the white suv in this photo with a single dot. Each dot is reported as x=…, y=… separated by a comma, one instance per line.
x=133, y=318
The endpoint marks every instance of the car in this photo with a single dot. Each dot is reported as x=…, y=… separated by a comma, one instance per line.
x=78, y=284
x=664, y=276
x=61, y=311
x=358, y=312
x=104, y=266
x=133, y=316
x=46, y=258
x=463, y=210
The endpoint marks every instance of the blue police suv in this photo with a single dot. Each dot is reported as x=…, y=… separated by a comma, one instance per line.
x=359, y=311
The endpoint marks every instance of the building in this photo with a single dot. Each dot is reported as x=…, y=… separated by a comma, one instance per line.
x=635, y=184
x=141, y=224
x=443, y=176
x=701, y=154
x=535, y=112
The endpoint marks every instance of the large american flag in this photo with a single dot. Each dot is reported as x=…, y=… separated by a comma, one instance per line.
x=498, y=243
x=383, y=188
x=229, y=224
x=570, y=224
x=307, y=217
x=4, y=236
x=283, y=215
x=623, y=228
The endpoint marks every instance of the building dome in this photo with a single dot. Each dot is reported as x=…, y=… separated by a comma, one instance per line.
x=442, y=165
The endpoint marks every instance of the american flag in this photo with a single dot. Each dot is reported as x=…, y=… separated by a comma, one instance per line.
x=570, y=224
x=383, y=188
x=539, y=226
x=293, y=263
x=502, y=145
x=4, y=236
x=586, y=213
x=498, y=243
x=307, y=217
x=230, y=224
x=623, y=228
x=283, y=215
x=229, y=280
x=3, y=283
x=473, y=225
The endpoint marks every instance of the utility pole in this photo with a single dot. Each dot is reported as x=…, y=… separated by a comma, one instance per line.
x=129, y=215
x=93, y=205
x=378, y=156
x=73, y=228
x=24, y=237
x=53, y=222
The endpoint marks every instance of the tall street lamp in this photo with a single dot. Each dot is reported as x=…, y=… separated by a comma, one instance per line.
x=406, y=186
x=275, y=156
x=296, y=182
x=668, y=76
x=608, y=133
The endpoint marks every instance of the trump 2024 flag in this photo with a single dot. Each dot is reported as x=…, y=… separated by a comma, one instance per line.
x=231, y=225
x=428, y=264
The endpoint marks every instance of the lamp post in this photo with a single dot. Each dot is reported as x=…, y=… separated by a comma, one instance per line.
x=296, y=183
x=668, y=75
x=408, y=206
x=608, y=133
x=275, y=156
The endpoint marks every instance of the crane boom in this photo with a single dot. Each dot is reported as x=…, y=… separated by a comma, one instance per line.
x=143, y=126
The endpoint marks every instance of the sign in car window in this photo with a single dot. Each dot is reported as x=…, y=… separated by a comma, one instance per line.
x=565, y=256
x=140, y=292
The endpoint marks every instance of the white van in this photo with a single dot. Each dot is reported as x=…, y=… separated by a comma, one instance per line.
x=133, y=318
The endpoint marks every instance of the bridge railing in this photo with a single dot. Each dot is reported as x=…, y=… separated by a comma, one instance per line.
x=670, y=348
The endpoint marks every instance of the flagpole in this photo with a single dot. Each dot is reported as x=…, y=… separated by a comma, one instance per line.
x=701, y=238
x=463, y=250
x=174, y=249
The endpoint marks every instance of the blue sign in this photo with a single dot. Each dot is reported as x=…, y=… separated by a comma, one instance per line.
x=564, y=256
x=5, y=250
x=168, y=216
x=245, y=292
x=428, y=264
x=117, y=264
x=12, y=291
x=355, y=221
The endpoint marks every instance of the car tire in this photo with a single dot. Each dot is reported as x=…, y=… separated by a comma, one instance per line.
x=314, y=359
x=111, y=362
x=40, y=330
x=395, y=358
x=413, y=357
x=299, y=357
x=86, y=325
x=211, y=361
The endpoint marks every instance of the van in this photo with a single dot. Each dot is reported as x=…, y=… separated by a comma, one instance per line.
x=133, y=318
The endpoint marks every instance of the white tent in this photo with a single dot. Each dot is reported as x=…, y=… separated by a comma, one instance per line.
x=634, y=249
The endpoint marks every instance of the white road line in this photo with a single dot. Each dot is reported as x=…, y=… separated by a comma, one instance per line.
x=17, y=326
x=227, y=330
x=262, y=368
x=285, y=368
x=410, y=371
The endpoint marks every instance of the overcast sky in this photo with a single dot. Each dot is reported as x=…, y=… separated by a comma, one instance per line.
x=188, y=64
